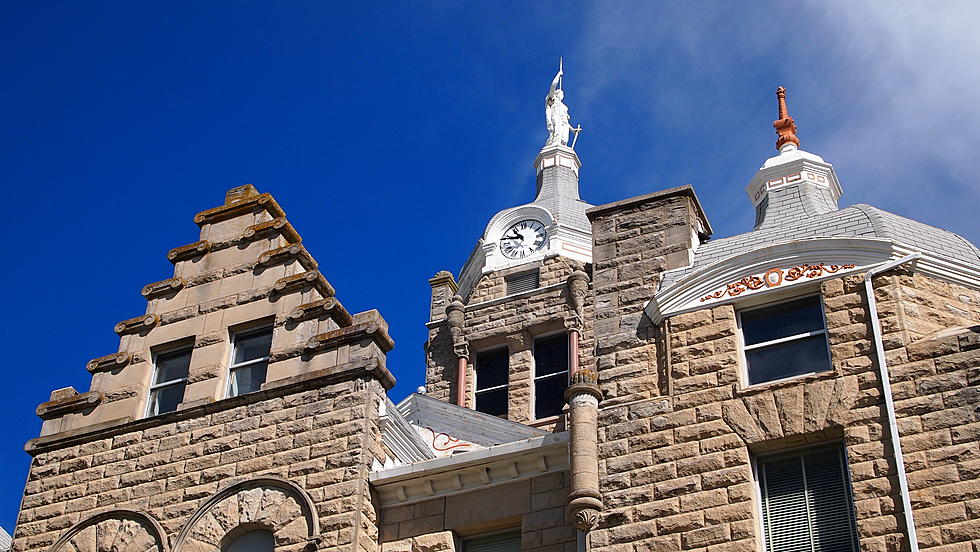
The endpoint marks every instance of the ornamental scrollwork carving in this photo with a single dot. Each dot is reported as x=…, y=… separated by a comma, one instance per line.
x=775, y=277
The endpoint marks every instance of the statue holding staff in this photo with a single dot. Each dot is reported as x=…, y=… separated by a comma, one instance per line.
x=556, y=113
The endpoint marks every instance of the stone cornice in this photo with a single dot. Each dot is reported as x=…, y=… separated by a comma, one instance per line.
x=277, y=225
x=163, y=287
x=312, y=278
x=273, y=389
x=188, y=251
x=287, y=253
x=330, y=307
x=137, y=324
x=444, y=278
x=238, y=208
x=109, y=362
x=68, y=405
x=474, y=470
x=350, y=334
x=630, y=203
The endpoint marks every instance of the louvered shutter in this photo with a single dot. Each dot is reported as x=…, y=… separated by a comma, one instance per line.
x=525, y=281
x=806, y=503
x=504, y=542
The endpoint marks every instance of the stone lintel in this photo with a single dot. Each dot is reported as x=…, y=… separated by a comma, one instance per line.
x=188, y=251
x=277, y=225
x=686, y=190
x=137, y=324
x=127, y=424
x=312, y=278
x=163, y=287
x=324, y=307
x=350, y=334
x=108, y=362
x=287, y=253
x=67, y=405
x=237, y=208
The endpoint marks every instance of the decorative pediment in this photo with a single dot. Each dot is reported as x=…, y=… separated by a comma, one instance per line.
x=325, y=307
x=138, y=324
x=285, y=254
x=277, y=225
x=768, y=269
x=109, y=362
x=163, y=287
x=252, y=204
x=310, y=278
x=188, y=251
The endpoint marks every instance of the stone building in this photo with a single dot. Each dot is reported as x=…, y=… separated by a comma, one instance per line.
x=598, y=377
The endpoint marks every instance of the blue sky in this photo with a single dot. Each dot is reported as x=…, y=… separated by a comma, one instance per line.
x=392, y=133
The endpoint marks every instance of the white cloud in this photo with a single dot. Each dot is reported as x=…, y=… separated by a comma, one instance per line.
x=887, y=91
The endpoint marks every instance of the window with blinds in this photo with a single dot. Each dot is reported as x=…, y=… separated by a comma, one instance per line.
x=806, y=502
x=519, y=283
x=502, y=542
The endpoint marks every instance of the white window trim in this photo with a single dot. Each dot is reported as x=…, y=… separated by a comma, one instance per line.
x=476, y=376
x=232, y=367
x=534, y=370
x=758, y=496
x=153, y=387
x=742, y=347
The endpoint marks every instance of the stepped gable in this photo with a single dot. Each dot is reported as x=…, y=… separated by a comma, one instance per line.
x=248, y=269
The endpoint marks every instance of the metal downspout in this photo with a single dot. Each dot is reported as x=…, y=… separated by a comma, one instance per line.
x=886, y=387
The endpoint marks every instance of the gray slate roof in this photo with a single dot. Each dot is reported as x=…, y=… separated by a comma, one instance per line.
x=855, y=221
x=464, y=423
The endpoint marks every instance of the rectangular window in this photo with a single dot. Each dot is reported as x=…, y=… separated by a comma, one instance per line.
x=503, y=542
x=806, y=502
x=249, y=361
x=785, y=340
x=525, y=281
x=169, y=379
x=550, y=375
x=492, y=369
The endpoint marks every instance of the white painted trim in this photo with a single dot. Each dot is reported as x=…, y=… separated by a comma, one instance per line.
x=684, y=295
x=469, y=471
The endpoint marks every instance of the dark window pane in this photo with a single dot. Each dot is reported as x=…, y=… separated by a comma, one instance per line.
x=549, y=396
x=782, y=320
x=251, y=346
x=492, y=402
x=248, y=379
x=254, y=541
x=491, y=368
x=550, y=355
x=166, y=399
x=792, y=358
x=171, y=366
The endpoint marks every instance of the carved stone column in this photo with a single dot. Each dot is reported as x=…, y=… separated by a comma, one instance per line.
x=455, y=320
x=584, y=498
x=583, y=396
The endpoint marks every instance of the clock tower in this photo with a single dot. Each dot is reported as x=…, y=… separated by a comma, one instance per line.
x=505, y=336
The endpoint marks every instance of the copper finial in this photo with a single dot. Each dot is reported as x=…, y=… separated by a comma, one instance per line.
x=785, y=126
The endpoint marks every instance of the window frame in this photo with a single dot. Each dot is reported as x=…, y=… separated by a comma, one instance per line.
x=743, y=348
x=246, y=331
x=756, y=461
x=154, y=387
x=476, y=379
x=534, y=370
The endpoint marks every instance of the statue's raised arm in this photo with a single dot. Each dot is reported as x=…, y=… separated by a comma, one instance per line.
x=556, y=113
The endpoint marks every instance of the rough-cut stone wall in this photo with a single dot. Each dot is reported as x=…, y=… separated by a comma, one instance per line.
x=511, y=322
x=676, y=469
x=535, y=506
x=322, y=439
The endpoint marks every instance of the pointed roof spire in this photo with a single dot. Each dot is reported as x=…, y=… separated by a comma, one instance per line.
x=785, y=126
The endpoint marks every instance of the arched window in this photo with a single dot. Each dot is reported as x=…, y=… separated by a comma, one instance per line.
x=253, y=541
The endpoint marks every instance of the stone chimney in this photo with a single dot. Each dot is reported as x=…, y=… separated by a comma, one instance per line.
x=795, y=184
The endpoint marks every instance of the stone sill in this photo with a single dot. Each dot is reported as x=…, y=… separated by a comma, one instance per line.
x=769, y=386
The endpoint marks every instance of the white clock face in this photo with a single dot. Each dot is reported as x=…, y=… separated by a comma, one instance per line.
x=523, y=239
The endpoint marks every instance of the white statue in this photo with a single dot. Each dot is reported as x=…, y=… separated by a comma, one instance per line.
x=556, y=114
